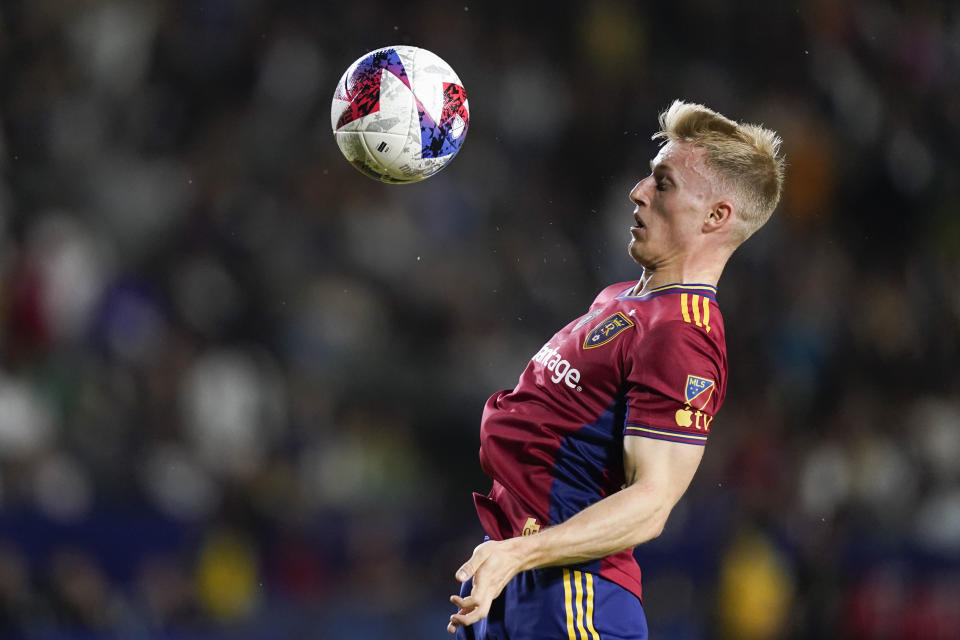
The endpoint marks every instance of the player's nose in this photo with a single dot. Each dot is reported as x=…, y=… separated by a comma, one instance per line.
x=638, y=195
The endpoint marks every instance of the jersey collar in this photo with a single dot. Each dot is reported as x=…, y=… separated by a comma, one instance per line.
x=707, y=290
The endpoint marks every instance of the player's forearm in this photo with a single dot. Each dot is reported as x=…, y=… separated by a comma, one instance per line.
x=620, y=521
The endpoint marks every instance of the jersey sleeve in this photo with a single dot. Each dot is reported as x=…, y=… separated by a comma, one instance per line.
x=675, y=379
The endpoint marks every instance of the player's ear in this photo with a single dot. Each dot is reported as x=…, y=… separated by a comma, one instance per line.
x=719, y=216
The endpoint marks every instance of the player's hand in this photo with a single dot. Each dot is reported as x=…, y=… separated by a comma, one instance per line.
x=492, y=565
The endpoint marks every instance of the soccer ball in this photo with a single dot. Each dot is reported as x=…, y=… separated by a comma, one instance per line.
x=399, y=114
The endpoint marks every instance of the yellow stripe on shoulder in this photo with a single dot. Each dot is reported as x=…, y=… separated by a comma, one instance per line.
x=695, y=309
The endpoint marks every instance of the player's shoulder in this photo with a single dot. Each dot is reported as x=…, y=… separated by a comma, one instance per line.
x=673, y=341
x=686, y=317
x=670, y=324
x=688, y=307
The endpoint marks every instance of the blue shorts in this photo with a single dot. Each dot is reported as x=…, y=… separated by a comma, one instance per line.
x=561, y=604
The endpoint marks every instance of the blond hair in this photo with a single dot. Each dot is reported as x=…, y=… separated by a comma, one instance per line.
x=745, y=158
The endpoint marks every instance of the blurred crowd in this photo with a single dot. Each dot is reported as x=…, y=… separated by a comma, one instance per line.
x=240, y=383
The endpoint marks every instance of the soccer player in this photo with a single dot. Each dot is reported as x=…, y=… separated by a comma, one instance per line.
x=602, y=434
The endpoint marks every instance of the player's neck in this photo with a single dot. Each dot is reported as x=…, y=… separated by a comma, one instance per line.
x=654, y=278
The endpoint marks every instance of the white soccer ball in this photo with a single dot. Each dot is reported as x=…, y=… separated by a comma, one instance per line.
x=399, y=114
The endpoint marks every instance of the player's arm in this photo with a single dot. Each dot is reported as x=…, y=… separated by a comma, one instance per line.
x=658, y=472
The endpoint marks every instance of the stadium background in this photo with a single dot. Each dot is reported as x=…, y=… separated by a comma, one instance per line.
x=240, y=382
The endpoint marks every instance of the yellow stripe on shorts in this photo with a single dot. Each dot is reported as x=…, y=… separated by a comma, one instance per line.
x=571, y=634
x=593, y=632
x=577, y=576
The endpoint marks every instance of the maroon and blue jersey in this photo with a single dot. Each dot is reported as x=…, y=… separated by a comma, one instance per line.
x=650, y=366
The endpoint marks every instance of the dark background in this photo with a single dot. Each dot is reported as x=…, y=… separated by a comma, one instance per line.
x=241, y=383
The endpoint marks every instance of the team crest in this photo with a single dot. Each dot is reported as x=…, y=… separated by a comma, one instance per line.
x=607, y=330
x=696, y=388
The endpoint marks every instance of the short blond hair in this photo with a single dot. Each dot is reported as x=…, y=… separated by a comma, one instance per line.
x=745, y=157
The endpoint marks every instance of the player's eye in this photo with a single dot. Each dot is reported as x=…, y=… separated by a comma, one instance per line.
x=661, y=185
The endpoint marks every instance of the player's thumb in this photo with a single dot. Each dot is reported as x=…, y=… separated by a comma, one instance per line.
x=466, y=571
x=468, y=568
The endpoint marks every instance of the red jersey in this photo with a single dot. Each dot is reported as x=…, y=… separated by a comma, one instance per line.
x=653, y=366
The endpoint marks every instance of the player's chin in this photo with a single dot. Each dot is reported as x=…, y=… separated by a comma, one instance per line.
x=636, y=252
